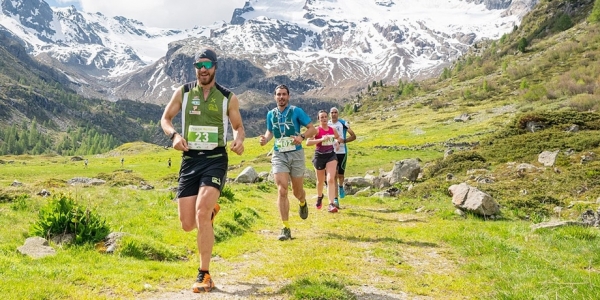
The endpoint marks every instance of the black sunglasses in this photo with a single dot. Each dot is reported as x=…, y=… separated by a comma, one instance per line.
x=206, y=64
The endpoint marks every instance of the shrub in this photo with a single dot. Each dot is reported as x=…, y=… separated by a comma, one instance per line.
x=20, y=202
x=437, y=104
x=585, y=102
x=519, y=71
x=62, y=215
x=227, y=195
x=535, y=93
x=537, y=207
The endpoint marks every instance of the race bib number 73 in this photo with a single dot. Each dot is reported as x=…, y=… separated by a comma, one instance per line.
x=202, y=137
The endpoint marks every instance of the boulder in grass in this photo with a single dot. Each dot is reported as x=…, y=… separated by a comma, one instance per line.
x=36, y=247
x=468, y=198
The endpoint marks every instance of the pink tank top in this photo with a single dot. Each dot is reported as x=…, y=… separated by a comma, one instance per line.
x=326, y=146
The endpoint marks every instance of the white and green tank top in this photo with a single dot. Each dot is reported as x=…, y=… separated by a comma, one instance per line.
x=205, y=122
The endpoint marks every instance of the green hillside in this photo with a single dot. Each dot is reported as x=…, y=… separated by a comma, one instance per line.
x=40, y=115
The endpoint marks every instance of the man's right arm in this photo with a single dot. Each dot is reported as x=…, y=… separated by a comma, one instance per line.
x=265, y=138
x=173, y=107
x=166, y=121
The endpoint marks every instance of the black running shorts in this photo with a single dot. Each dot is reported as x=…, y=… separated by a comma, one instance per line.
x=207, y=168
x=321, y=159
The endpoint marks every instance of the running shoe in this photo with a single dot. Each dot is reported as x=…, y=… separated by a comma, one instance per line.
x=341, y=192
x=336, y=203
x=203, y=283
x=332, y=208
x=319, y=202
x=215, y=212
x=304, y=211
x=286, y=234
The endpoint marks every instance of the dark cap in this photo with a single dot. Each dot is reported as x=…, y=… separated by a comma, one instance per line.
x=206, y=53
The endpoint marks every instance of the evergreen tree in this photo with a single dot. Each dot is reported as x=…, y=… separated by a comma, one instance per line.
x=522, y=45
x=595, y=14
x=563, y=23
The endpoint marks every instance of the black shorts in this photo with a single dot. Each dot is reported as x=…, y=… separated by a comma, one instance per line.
x=321, y=159
x=207, y=168
x=341, y=167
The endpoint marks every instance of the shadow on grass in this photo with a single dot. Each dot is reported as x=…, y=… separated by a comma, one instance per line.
x=372, y=217
x=244, y=289
x=383, y=210
x=380, y=239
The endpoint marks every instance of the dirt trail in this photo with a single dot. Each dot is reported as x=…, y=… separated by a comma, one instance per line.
x=422, y=259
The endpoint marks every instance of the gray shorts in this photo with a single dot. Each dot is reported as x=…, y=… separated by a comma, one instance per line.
x=289, y=162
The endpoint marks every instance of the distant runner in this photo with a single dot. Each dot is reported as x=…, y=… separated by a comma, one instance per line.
x=343, y=128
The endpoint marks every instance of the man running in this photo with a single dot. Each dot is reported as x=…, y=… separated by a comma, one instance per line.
x=207, y=109
x=284, y=123
x=343, y=128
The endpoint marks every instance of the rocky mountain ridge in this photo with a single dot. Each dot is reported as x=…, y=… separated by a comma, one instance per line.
x=324, y=48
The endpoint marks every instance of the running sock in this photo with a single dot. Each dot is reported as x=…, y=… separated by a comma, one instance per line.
x=286, y=224
x=302, y=203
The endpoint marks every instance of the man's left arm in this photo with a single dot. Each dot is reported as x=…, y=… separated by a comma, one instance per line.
x=352, y=136
x=235, y=118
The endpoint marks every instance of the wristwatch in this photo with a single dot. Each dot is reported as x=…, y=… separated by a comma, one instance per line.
x=172, y=135
x=303, y=136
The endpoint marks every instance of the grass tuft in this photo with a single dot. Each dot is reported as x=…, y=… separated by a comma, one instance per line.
x=318, y=289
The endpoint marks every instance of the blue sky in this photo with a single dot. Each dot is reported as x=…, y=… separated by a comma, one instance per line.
x=179, y=14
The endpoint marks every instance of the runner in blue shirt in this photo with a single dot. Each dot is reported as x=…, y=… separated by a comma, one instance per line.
x=284, y=124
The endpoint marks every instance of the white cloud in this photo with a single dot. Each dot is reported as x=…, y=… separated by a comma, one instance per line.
x=178, y=14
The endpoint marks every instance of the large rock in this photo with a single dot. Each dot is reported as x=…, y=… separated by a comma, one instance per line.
x=405, y=170
x=471, y=199
x=36, y=247
x=548, y=158
x=85, y=181
x=248, y=175
x=357, y=182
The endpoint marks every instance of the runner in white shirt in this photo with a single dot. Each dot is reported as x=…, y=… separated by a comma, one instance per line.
x=343, y=129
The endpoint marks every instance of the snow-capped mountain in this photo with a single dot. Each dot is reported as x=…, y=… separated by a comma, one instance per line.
x=319, y=47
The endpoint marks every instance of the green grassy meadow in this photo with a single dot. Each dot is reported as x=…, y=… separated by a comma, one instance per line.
x=382, y=243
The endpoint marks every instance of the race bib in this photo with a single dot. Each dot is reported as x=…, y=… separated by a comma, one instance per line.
x=202, y=137
x=329, y=140
x=285, y=144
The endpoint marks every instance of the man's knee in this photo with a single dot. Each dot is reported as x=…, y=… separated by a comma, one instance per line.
x=187, y=225
x=283, y=192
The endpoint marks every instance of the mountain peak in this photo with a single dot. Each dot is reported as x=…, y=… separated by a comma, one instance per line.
x=338, y=44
